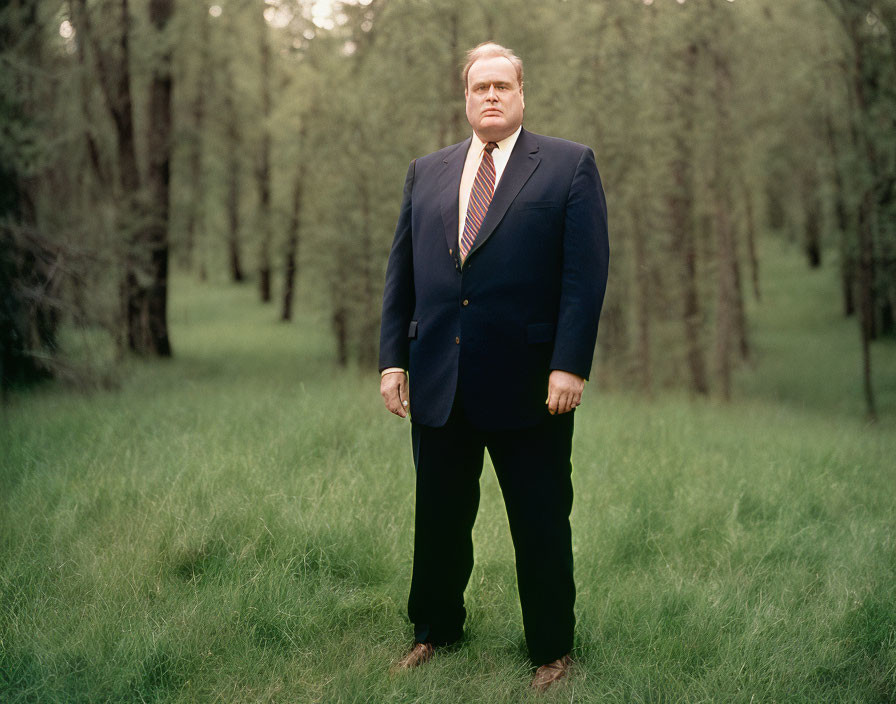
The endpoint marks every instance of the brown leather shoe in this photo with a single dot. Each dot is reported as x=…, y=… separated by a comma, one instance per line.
x=546, y=675
x=420, y=653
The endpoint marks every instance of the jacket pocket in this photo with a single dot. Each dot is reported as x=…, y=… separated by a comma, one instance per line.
x=539, y=332
x=412, y=330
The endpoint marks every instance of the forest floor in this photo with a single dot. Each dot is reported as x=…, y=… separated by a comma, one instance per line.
x=235, y=525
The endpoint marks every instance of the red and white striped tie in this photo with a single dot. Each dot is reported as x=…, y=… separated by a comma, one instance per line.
x=480, y=197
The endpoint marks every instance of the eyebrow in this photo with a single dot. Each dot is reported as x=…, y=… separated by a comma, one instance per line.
x=480, y=84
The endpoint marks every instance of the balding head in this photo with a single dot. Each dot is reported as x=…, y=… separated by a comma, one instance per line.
x=487, y=50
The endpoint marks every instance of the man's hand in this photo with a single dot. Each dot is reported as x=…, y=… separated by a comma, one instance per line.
x=394, y=390
x=564, y=391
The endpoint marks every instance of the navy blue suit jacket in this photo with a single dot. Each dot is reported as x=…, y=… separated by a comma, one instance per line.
x=527, y=299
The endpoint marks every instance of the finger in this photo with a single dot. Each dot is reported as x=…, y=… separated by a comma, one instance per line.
x=390, y=395
x=565, y=404
x=403, y=398
x=553, y=400
x=396, y=402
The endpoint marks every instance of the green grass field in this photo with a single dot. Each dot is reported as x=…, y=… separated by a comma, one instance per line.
x=234, y=525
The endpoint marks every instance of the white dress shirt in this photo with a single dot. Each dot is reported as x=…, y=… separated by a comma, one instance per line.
x=500, y=155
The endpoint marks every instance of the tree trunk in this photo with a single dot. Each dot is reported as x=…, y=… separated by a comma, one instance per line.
x=776, y=212
x=455, y=85
x=367, y=343
x=29, y=265
x=263, y=175
x=339, y=318
x=100, y=169
x=866, y=299
x=725, y=308
x=642, y=303
x=114, y=77
x=680, y=207
x=730, y=319
x=751, y=237
x=150, y=334
x=194, y=230
x=234, y=246
x=740, y=312
x=841, y=212
x=812, y=226
x=292, y=243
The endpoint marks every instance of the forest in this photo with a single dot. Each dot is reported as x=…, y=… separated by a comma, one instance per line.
x=264, y=143
x=202, y=497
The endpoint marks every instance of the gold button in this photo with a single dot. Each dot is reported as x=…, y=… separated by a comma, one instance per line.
x=451, y=251
x=466, y=302
x=456, y=340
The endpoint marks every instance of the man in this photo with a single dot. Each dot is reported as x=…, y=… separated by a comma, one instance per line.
x=493, y=292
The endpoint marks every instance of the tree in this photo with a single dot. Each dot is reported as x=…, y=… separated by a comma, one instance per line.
x=868, y=68
x=142, y=218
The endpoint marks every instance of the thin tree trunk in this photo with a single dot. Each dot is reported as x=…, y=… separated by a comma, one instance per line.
x=776, y=213
x=195, y=225
x=740, y=312
x=234, y=246
x=263, y=175
x=101, y=171
x=455, y=85
x=680, y=206
x=292, y=243
x=643, y=301
x=367, y=347
x=866, y=223
x=339, y=318
x=725, y=314
x=847, y=259
x=751, y=237
x=812, y=226
x=730, y=323
x=866, y=299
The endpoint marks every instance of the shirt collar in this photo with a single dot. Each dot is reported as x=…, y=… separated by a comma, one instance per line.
x=505, y=144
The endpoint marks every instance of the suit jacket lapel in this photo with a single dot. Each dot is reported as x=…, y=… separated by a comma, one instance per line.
x=449, y=185
x=523, y=161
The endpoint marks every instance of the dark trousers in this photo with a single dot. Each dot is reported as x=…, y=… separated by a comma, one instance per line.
x=534, y=472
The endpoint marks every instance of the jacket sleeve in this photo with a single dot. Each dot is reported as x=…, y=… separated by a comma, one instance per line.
x=398, y=294
x=586, y=255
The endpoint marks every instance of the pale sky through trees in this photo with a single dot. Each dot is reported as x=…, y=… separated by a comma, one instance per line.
x=321, y=12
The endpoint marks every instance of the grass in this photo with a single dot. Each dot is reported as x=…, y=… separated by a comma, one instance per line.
x=235, y=525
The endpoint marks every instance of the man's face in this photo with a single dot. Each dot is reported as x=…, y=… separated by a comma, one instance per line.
x=494, y=99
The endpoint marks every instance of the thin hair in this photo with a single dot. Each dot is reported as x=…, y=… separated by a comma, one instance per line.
x=487, y=50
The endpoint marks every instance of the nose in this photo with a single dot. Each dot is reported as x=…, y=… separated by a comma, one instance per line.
x=492, y=95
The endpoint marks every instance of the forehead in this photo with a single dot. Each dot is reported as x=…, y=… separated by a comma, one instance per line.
x=492, y=69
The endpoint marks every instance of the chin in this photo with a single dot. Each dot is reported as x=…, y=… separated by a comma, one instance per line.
x=489, y=127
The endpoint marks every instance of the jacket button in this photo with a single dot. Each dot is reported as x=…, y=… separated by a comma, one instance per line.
x=466, y=302
x=456, y=340
x=451, y=252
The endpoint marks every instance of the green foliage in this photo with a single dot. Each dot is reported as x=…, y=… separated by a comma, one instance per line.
x=236, y=524
x=701, y=113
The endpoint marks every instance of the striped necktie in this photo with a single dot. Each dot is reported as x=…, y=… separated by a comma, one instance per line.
x=480, y=197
